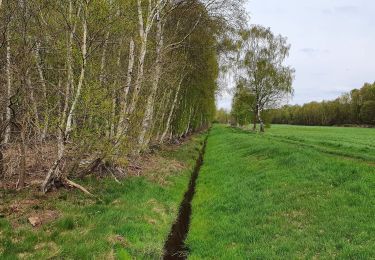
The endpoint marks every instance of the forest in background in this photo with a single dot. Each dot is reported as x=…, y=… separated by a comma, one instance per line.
x=356, y=107
x=87, y=84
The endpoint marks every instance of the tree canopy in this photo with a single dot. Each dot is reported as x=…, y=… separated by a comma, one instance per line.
x=263, y=79
x=356, y=107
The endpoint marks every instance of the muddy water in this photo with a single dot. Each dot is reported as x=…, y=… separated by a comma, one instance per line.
x=174, y=247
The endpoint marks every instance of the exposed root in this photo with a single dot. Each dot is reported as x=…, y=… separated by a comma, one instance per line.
x=94, y=165
x=52, y=176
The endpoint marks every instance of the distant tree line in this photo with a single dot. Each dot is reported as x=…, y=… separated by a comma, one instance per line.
x=100, y=80
x=222, y=116
x=356, y=107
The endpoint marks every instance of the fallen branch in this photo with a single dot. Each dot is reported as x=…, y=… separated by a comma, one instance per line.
x=77, y=186
x=113, y=175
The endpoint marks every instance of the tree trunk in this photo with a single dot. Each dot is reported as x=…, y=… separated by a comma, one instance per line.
x=255, y=121
x=143, y=33
x=149, y=113
x=2, y=172
x=260, y=121
x=171, y=112
x=164, y=110
x=104, y=60
x=33, y=102
x=69, y=88
x=9, y=87
x=124, y=96
x=188, y=124
x=68, y=128
x=54, y=172
x=114, y=95
x=142, y=54
x=22, y=173
x=44, y=88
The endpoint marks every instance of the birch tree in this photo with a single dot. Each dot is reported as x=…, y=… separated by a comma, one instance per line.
x=144, y=30
x=98, y=80
x=263, y=71
x=54, y=172
x=8, y=85
x=148, y=117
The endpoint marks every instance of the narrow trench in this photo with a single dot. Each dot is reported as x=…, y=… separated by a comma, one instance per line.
x=175, y=247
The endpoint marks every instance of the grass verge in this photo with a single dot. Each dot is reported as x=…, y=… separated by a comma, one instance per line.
x=132, y=220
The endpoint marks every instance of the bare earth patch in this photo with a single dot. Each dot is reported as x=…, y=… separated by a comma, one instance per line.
x=30, y=211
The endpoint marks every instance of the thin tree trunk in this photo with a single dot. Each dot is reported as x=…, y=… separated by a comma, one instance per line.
x=9, y=87
x=143, y=33
x=123, y=103
x=114, y=95
x=171, y=112
x=54, y=171
x=164, y=110
x=69, y=88
x=143, y=50
x=159, y=114
x=188, y=125
x=22, y=173
x=33, y=102
x=44, y=88
x=81, y=79
x=255, y=121
x=113, y=114
x=104, y=59
x=260, y=121
x=149, y=113
x=2, y=172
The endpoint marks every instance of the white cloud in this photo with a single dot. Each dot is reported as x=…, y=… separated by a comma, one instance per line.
x=331, y=53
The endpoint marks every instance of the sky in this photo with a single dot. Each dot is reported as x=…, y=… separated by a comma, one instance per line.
x=333, y=44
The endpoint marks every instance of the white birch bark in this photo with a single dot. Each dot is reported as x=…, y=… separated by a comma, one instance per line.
x=171, y=112
x=54, y=171
x=44, y=89
x=189, y=122
x=142, y=54
x=69, y=88
x=104, y=59
x=123, y=103
x=148, y=116
x=114, y=95
x=164, y=112
x=68, y=127
x=261, y=127
x=32, y=100
x=9, y=87
x=143, y=33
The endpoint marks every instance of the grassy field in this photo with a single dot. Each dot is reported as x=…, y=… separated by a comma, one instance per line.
x=132, y=220
x=293, y=192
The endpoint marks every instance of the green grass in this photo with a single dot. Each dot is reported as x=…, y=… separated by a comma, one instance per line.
x=132, y=221
x=293, y=192
x=347, y=141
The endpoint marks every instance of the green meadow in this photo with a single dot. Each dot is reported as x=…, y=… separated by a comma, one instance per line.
x=293, y=192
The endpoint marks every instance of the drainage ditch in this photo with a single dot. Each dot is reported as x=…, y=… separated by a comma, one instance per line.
x=175, y=247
